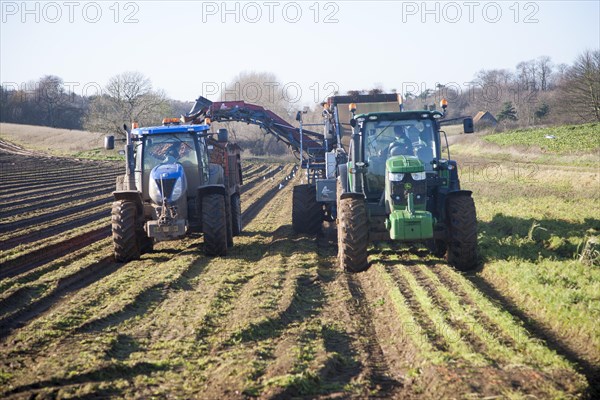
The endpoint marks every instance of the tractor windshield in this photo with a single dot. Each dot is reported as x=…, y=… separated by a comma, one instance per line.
x=384, y=139
x=169, y=149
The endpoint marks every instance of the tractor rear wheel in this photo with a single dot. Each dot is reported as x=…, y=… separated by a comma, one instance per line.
x=126, y=241
x=461, y=220
x=307, y=213
x=236, y=214
x=214, y=225
x=353, y=234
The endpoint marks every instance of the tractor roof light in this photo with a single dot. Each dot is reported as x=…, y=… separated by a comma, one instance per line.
x=170, y=121
x=326, y=106
x=135, y=125
x=352, y=107
x=444, y=104
x=207, y=121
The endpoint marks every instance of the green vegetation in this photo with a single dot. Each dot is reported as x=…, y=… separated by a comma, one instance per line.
x=534, y=221
x=100, y=155
x=560, y=139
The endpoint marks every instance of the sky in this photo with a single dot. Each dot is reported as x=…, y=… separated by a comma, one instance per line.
x=190, y=48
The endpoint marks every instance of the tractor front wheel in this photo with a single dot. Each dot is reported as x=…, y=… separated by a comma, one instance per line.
x=126, y=241
x=307, y=213
x=353, y=234
x=461, y=220
x=214, y=225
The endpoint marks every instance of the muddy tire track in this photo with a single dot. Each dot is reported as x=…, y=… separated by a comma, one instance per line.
x=380, y=376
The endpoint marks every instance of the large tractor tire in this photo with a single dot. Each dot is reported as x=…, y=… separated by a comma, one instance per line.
x=236, y=214
x=462, y=233
x=353, y=234
x=229, y=221
x=307, y=213
x=214, y=225
x=126, y=241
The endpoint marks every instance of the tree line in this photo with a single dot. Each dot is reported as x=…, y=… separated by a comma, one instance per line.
x=536, y=91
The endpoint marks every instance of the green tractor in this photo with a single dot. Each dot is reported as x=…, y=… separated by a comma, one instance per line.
x=397, y=186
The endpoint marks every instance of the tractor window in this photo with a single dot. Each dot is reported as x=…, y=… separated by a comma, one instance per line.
x=384, y=139
x=168, y=149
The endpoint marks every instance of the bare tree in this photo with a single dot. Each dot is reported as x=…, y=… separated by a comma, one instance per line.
x=581, y=87
x=129, y=97
x=51, y=96
x=544, y=69
x=527, y=72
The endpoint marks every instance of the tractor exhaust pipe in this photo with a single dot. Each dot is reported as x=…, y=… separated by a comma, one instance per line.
x=129, y=161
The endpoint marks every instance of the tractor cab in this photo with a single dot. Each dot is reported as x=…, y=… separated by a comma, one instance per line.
x=170, y=148
x=390, y=135
x=169, y=160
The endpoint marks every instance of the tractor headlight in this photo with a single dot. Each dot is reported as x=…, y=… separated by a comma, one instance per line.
x=395, y=176
x=418, y=176
x=177, y=189
x=155, y=192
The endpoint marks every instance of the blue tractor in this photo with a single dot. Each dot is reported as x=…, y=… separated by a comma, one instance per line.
x=171, y=189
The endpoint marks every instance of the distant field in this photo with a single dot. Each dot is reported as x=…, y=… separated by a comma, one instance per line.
x=560, y=139
x=59, y=142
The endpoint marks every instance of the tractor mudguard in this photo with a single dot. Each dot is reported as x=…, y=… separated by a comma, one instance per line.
x=454, y=182
x=216, y=174
x=352, y=195
x=458, y=193
x=343, y=176
x=211, y=189
x=130, y=195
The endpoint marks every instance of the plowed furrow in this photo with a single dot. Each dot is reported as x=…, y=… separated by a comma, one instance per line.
x=58, y=214
x=49, y=175
x=427, y=326
x=262, y=177
x=252, y=211
x=60, y=226
x=43, y=255
x=467, y=302
x=456, y=318
x=45, y=211
x=380, y=377
x=46, y=173
x=64, y=287
x=46, y=254
x=54, y=199
x=41, y=191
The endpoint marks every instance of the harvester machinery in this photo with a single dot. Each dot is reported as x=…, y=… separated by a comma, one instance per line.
x=381, y=175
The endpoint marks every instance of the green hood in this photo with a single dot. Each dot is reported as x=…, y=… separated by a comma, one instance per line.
x=404, y=164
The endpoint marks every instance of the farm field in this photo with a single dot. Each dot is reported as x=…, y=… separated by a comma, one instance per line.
x=276, y=318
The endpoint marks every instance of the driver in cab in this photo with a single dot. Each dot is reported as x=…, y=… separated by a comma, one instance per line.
x=401, y=146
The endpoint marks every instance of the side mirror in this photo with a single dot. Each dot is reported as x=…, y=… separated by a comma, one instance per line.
x=353, y=122
x=468, y=125
x=299, y=116
x=109, y=142
x=222, y=135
